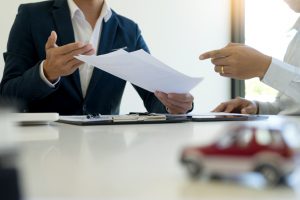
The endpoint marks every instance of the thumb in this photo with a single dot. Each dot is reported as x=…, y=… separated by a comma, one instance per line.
x=251, y=109
x=51, y=42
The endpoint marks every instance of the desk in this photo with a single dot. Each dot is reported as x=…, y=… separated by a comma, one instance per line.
x=133, y=162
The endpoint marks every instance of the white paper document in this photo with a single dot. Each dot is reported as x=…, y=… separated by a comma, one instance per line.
x=143, y=70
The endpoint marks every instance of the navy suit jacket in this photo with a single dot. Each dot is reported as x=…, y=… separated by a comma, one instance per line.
x=26, y=51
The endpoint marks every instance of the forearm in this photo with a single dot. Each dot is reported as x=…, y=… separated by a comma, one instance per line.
x=285, y=78
x=27, y=86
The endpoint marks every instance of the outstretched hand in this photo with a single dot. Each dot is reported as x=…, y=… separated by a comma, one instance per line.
x=238, y=61
x=60, y=61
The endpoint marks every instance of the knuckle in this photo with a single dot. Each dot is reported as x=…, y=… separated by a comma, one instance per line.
x=231, y=106
x=222, y=105
x=239, y=99
x=77, y=45
x=74, y=53
x=214, y=61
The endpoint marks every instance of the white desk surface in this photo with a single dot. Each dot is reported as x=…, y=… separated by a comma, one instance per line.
x=60, y=161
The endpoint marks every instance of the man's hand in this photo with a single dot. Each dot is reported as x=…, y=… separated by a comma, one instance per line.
x=237, y=105
x=176, y=103
x=60, y=61
x=239, y=61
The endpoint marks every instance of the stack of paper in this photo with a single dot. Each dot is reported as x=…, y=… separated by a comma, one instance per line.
x=143, y=70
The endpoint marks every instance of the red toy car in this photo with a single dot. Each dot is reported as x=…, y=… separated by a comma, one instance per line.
x=271, y=149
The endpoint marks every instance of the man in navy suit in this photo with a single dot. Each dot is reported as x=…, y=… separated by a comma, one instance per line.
x=41, y=70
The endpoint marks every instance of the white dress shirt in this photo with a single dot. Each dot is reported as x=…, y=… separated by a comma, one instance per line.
x=285, y=77
x=84, y=32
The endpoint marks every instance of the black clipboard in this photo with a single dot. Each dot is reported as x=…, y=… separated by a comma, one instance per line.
x=103, y=121
x=169, y=118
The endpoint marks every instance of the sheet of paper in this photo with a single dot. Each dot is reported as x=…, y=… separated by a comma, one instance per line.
x=143, y=70
x=209, y=114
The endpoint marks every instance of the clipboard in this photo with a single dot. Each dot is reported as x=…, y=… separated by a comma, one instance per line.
x=132, y=118
x=153, y=118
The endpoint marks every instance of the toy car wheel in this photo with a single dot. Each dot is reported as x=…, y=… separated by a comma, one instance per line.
x=194, y=168
x=270, y=173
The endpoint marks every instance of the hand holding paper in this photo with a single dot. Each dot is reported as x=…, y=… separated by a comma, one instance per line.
x=143, y=70
x=176, y=103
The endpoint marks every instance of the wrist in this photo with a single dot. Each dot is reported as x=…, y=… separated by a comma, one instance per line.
x=257, y=107
x=47, y=74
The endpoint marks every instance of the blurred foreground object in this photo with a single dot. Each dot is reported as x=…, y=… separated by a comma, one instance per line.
x=9, y=183
x=270, y=148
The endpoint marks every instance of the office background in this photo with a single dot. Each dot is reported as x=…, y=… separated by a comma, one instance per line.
x=176, y=33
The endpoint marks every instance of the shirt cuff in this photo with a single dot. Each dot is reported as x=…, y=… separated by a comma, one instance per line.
x=43, y=77
x=267, y=108
x=278, y=69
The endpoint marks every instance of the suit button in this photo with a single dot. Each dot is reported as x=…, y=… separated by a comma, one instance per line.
x=84, y=108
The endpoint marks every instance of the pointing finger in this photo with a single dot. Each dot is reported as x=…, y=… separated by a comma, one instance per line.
x=215, y=54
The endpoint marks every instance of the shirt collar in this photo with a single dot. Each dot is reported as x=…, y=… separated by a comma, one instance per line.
x=106, y=12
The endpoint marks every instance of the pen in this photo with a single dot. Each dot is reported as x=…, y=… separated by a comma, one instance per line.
x=93, y=116
x=139, y=113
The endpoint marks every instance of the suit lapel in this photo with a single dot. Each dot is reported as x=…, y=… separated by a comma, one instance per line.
x=65, y=32
x=109, y=30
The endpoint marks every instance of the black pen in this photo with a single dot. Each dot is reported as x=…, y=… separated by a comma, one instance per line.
x=140, y=113
x=93, y=116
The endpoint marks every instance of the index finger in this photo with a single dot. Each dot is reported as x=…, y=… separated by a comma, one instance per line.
x=70, y=47
x=215, y=54
x=220, y=108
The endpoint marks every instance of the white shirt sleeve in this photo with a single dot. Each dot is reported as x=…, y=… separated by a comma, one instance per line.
x=268, y=108
x=285, y=78
x=43, y=77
